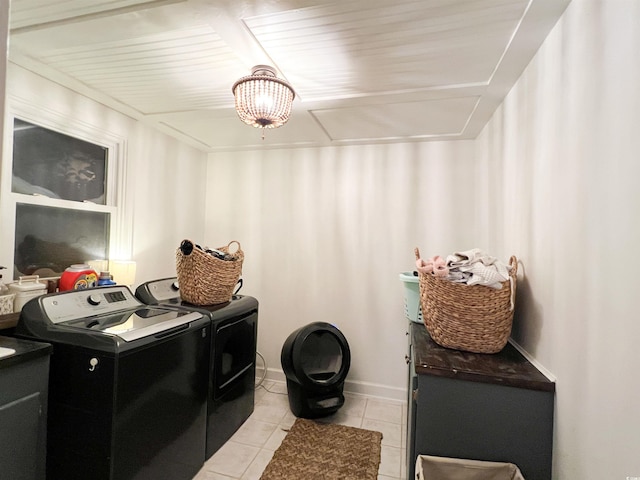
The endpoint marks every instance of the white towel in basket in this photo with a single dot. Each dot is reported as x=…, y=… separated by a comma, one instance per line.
x=482, y=268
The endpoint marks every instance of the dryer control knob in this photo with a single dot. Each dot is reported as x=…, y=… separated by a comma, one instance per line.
x=93, y=299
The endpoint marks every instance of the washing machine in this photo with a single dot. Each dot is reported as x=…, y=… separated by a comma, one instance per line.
x=127, y=385
x=232, y=370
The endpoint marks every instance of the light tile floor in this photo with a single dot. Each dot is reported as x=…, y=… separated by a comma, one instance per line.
x=248, y=452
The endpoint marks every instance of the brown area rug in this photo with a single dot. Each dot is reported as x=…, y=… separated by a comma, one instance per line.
x=323, y=451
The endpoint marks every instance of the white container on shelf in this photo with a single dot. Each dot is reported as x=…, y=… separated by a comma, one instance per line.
x=25, y=289
x=6, y=303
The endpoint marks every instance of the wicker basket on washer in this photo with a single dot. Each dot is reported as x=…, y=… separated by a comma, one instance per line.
x=473, y=318
x=205, y=279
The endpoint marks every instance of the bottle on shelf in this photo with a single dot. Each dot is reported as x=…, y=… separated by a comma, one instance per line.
x=105, y=279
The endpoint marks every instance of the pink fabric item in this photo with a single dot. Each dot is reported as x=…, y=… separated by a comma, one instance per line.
x=435, y=265
x=424, y=267
x=441, y=271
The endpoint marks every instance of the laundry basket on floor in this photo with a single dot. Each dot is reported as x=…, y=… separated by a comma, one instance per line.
x=441, y=468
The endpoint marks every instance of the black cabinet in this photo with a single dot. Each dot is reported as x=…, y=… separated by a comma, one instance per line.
x=496, y=407
x=24, y=379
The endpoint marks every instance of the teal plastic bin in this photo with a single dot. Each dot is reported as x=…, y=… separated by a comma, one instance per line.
x=412, y=308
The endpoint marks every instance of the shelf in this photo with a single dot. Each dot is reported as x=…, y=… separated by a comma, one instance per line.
x=508, y=367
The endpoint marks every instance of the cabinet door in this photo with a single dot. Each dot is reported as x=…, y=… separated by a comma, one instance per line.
x=462, y=419
x=19, y=427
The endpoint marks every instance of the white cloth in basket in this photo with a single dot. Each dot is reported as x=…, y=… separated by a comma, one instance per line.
x=475, y=267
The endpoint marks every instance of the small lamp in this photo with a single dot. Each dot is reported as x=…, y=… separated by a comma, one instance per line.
x=123, y=271
x=98, y=265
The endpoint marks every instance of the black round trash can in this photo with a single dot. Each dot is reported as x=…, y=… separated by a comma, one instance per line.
x=316, y=360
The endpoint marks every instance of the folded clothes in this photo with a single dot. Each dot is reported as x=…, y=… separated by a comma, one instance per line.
x=458, y=277
x=471, y=267
x=482, y=268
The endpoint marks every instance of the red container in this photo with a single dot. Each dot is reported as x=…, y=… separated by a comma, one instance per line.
x=78, y=277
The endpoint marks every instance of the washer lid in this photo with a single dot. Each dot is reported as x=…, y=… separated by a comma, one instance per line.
x=131, y=326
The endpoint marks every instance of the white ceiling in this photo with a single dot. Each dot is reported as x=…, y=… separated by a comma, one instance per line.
x=364, y=71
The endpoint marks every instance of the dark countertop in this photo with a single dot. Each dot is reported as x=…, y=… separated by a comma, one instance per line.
x=508, y=367
x=25, y=350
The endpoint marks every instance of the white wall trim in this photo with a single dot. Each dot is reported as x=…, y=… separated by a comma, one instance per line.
x=352, y=387
x=533, y=361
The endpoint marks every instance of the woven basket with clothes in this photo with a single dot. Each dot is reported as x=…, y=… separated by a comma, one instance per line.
x=472, y=318
x=206, y=279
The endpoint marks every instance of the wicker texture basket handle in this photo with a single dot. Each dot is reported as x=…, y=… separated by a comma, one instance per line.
x=513, y=262
x=238, y=249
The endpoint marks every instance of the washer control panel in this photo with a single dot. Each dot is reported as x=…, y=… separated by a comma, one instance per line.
x=164, y=290
x=76, y=304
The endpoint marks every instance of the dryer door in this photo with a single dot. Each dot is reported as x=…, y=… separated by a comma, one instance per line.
x=234, y=351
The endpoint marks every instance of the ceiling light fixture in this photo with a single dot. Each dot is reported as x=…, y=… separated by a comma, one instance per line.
x=262, y=99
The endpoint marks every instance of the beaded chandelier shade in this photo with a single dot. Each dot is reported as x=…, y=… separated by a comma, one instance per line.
x=262, y=99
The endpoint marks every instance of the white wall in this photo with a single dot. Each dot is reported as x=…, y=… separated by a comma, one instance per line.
x=326, y=233
x=168, y=183
x=4, y=38
x=560, y=166
x=164, y=194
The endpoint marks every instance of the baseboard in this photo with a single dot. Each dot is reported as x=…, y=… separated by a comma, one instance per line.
x=376, y=390
x=533, y=361
x=353, y=387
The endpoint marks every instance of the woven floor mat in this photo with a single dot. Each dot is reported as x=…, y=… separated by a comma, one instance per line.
x=322, y=451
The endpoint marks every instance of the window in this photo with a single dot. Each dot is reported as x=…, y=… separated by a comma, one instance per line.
x=56, y=165
x=59, y=195
x=49, y=239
